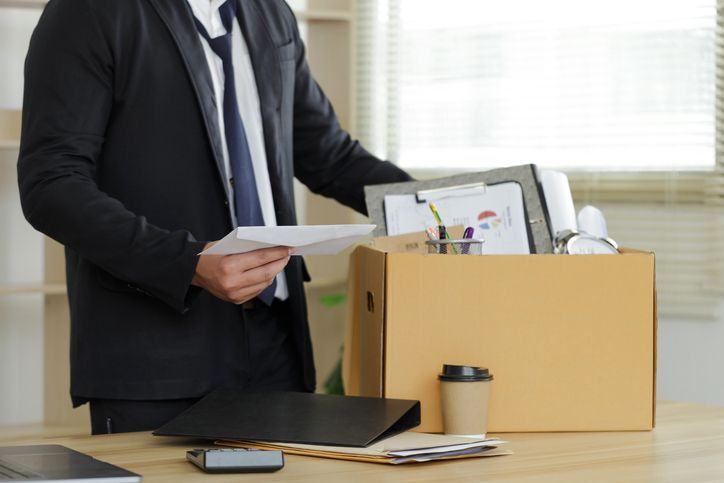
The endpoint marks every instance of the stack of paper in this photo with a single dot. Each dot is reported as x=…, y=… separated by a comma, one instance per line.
x=405, y=447
x=304, y=239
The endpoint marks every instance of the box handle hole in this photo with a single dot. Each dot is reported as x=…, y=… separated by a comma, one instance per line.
x=370, y=302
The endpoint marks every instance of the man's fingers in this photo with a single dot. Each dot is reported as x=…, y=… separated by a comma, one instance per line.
x=233, y=283
x=247, y=293
x=250, y=260
x=265, y=273
x=238, y=278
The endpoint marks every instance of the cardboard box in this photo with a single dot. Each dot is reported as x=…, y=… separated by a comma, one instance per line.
x=570, y=340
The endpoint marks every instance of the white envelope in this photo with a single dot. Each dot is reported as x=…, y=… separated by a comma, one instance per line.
x=305, y=239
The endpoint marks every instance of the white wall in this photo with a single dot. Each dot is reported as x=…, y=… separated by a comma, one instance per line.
x=21, y=327
x=21, y=249
x=16, y=25
x=691, y=361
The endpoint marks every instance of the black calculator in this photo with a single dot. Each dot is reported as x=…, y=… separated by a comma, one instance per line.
x=236, y=460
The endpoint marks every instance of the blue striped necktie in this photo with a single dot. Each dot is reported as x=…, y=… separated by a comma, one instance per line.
x=246, y=197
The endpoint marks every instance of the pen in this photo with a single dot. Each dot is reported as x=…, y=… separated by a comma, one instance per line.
x=441, y=226
x=443, y=235
x=431, y=233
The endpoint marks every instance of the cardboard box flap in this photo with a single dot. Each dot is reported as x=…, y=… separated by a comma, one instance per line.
x=656, y=345
x=364, y=341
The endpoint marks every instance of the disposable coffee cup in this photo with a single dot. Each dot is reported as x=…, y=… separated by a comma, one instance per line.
x=465, y=397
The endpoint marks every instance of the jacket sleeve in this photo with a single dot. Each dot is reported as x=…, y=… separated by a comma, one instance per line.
x=326, y=159
x=67, y=105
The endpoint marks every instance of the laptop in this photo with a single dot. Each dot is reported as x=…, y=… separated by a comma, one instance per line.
x=52, y=462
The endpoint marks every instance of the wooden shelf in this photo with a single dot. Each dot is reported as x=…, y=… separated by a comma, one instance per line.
x=23, y=3
x=9, y=128
x=11, y=433
x=322, y=16
x=325, y=283
x=9, y=145
x=33, y=288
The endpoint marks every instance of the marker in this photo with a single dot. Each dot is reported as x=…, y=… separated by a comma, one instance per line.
x=468, y=234
x=433, y=208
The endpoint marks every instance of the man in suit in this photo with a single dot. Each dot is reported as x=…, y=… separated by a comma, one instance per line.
x=150, y=129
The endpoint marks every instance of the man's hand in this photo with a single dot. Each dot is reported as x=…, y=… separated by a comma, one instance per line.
x=239, y=278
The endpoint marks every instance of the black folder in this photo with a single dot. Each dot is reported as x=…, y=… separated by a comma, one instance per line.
x=294, y=417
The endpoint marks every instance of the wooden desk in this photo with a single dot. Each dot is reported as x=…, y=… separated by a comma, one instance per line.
x=687, y=446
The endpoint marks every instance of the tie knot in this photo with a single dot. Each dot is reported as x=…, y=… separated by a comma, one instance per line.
x=227, y=12
x=221, y=45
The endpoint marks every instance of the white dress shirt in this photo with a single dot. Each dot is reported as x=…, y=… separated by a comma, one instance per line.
x=247, y=95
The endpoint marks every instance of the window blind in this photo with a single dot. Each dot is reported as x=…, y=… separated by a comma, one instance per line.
x=622, y=95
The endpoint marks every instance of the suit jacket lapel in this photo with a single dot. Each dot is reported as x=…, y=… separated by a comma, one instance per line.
x=176, y=14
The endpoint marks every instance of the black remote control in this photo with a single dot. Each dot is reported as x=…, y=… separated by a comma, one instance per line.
x=236, y=460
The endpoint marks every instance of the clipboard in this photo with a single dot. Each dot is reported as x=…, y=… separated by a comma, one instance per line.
x=495, y=211
x=538, y=223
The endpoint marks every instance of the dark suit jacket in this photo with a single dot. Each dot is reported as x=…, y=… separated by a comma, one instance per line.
x=121, y=162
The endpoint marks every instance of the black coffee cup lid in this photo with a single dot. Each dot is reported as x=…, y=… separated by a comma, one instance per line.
x=452, y=372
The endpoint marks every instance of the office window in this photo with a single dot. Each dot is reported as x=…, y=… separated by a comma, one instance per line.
x=622, y=95
x=623, y=84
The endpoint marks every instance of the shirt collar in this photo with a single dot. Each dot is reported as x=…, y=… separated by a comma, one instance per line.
x=207, y=13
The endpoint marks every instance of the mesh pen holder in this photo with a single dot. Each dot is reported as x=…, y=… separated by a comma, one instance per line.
x=468, y=246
